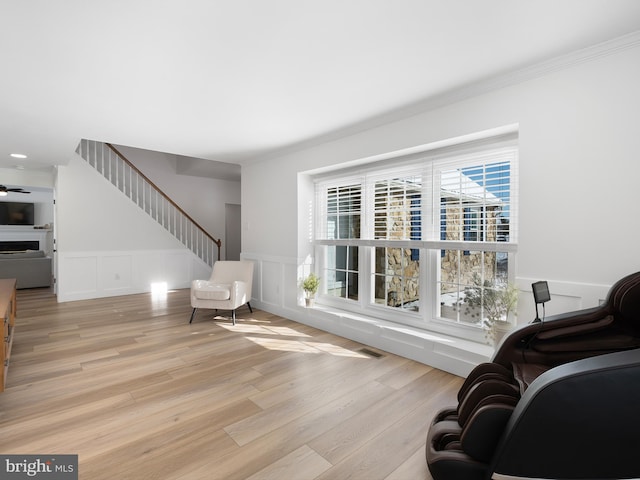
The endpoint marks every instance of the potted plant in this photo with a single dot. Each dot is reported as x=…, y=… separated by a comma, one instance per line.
x=496, y=302
x=310, y=286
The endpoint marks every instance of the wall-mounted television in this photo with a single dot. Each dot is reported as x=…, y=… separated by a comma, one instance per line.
x=16, y=213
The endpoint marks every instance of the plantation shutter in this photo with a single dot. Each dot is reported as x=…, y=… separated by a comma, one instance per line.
x=477, y=195
x=341, y=217
x=397, y=205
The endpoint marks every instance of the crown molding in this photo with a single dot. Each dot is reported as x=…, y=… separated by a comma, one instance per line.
x=495, y=82
x=521, y=75
x=546, y=67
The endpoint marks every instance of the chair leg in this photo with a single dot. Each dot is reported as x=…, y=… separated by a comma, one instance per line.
x=233, y=316
x=249, y=305
x=192, y=315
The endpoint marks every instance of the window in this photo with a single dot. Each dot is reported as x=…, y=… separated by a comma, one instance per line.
x=397, y=216
x=481, y=196
x=341, y=271
x=406, y=238
x=343, y=214
x=343, y=211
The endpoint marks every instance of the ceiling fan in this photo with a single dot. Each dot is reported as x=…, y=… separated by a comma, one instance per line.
x=4, y=190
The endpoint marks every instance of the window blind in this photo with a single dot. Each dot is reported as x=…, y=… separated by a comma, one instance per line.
x=435, y=200
x=397, y=206
x=342, y=210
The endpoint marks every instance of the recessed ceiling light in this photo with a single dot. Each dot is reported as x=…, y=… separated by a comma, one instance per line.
x=18, y=155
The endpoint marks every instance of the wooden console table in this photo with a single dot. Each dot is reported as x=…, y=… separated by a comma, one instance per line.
x=8, y=311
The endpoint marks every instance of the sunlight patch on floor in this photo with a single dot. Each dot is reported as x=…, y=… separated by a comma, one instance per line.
x=285, y=339
x=288, y=331
x=263, y=329
x=285, y=345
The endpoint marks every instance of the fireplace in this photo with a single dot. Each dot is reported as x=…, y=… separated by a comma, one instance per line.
x=19, y=245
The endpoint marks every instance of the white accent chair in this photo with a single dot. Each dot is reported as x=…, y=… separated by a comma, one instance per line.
x=228, y=288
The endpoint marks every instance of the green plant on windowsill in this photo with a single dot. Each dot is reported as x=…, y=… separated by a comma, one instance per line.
x=310, y=286
x=496, y=302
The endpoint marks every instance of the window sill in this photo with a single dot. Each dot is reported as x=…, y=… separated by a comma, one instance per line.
x=449, y=353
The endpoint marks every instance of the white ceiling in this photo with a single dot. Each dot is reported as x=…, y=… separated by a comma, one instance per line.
x=232, y=80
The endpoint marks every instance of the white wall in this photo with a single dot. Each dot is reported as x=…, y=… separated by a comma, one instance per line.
x=29, y=178
x=202, y=198
x=108, y=246
x=578, y=209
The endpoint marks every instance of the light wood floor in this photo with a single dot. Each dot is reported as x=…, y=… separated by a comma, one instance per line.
x=138, y=393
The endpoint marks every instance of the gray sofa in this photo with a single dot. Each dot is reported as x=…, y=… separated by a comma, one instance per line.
x=31, y=268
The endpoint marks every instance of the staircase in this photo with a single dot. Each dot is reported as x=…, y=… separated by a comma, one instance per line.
x=140, y=190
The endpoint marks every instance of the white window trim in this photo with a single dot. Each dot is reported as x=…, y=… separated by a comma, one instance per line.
x=457, y=156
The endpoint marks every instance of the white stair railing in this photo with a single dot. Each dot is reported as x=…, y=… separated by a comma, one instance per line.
x=111, y=164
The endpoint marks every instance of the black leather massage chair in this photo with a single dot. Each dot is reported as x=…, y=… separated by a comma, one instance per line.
x=559, y=400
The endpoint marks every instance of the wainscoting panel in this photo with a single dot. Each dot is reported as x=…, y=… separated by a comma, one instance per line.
x=79, y=275
x=272, y=282
x=275, y=282
x=159, y=267
x=293, y=297
x=117, y=273
x=178, y=264
x=86, y=275
x=271, y=288
x=565, y=297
